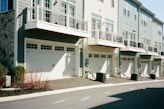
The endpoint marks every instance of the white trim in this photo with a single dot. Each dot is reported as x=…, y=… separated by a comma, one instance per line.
x=16, y=34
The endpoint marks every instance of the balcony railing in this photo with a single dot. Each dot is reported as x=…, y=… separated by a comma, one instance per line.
x=151, y=49
x=46, y=15
x=131, y=43
x=103, y=35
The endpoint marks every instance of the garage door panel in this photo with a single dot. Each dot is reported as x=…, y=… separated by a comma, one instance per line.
x=53, y=62
x=127, y=66
x=100, y=63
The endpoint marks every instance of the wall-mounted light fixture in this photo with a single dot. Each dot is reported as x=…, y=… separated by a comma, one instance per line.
x=55, y=2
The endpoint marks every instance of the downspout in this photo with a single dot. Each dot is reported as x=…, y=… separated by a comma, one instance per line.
x=139, y=59
x=82, y=49
x=119, y=61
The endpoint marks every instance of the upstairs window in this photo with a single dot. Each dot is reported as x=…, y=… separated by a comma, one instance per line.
x=113, y=3
x=126, y=9
x=101, y=0
x=6, y=5
x=144, y=20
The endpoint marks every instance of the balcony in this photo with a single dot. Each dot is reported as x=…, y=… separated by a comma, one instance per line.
x=106, y=39
x=149, y=50
x=133, y=46
x=45, y=19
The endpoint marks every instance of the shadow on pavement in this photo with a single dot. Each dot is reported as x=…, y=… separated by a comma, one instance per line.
x=150, y=98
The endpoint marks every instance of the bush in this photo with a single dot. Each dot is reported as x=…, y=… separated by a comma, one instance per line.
x=19, y=74
x=3, y=72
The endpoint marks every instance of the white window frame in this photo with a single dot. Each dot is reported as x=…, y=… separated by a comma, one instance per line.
x=67, y=13
x=126, y=9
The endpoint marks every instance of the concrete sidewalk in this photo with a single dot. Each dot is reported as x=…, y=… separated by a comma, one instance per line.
x=78, y=82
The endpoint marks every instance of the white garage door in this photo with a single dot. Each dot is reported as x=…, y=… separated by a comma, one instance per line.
x=99, y=62
x=127, y=66
x=144, y=68
x=55, y=61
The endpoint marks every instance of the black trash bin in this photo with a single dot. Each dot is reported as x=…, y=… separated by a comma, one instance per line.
x=152, y=76
x=100, y=77
x=134, y=77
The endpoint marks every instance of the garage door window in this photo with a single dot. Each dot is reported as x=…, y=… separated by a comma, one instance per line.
x=109, y=56
x=46, y=47
x=70, y=49
x=59, y=48
x=90, y=55
x=96, y=55
x=31, y=46
x=103, y=56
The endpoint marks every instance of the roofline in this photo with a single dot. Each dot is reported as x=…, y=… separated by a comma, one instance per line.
x=158, y=20
x=147, y=10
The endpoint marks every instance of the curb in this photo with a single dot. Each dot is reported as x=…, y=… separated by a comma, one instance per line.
x=46, y=93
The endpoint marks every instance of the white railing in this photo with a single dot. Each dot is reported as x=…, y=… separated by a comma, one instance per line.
x=103, y=35
x=46, y=15
x=151, y=49
x=132, y=43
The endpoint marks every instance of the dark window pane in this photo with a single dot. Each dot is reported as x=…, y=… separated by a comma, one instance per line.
x=10, y=4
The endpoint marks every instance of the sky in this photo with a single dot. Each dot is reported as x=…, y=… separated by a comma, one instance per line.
x=156, y=6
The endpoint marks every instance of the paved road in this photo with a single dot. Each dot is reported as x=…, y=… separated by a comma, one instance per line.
x=130, y=96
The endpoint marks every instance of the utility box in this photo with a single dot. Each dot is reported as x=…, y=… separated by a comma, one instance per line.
x=152, y=76
x=134, y=76
x=7, y=81
x=100, y=77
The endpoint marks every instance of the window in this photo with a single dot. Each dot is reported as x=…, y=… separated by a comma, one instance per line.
x=113, y=3
x=31, y=46
x=135, y=17
x=72, y=15
x=47, y=12
x=103, y=56
x=101, y=0
x=96, y=55
x=96, y=26
x=70, y=49
x=6, y=5
x=159, y=33
x=46, y=47
x=59, y=48
x=109, y=27
x=144, y=20
x=125, y=34
x=65, y=8
x=47, y=4
x=126, y=9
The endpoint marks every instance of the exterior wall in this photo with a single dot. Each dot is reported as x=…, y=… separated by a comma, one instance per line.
x=146, y=31
x=157, y=33
x=103, y=9
x=128, y=23
x=106, y=13
x=24, y=6
x=7, y=38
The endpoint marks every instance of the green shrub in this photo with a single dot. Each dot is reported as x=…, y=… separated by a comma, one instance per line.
x=3, y=72
x=19, y=74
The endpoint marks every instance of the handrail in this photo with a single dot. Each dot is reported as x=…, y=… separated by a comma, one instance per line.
x=38, y=13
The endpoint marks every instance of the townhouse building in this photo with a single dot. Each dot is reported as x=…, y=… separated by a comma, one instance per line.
x=46, y=37
x=65, y=38
x=100, y=47
x=142, y=38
